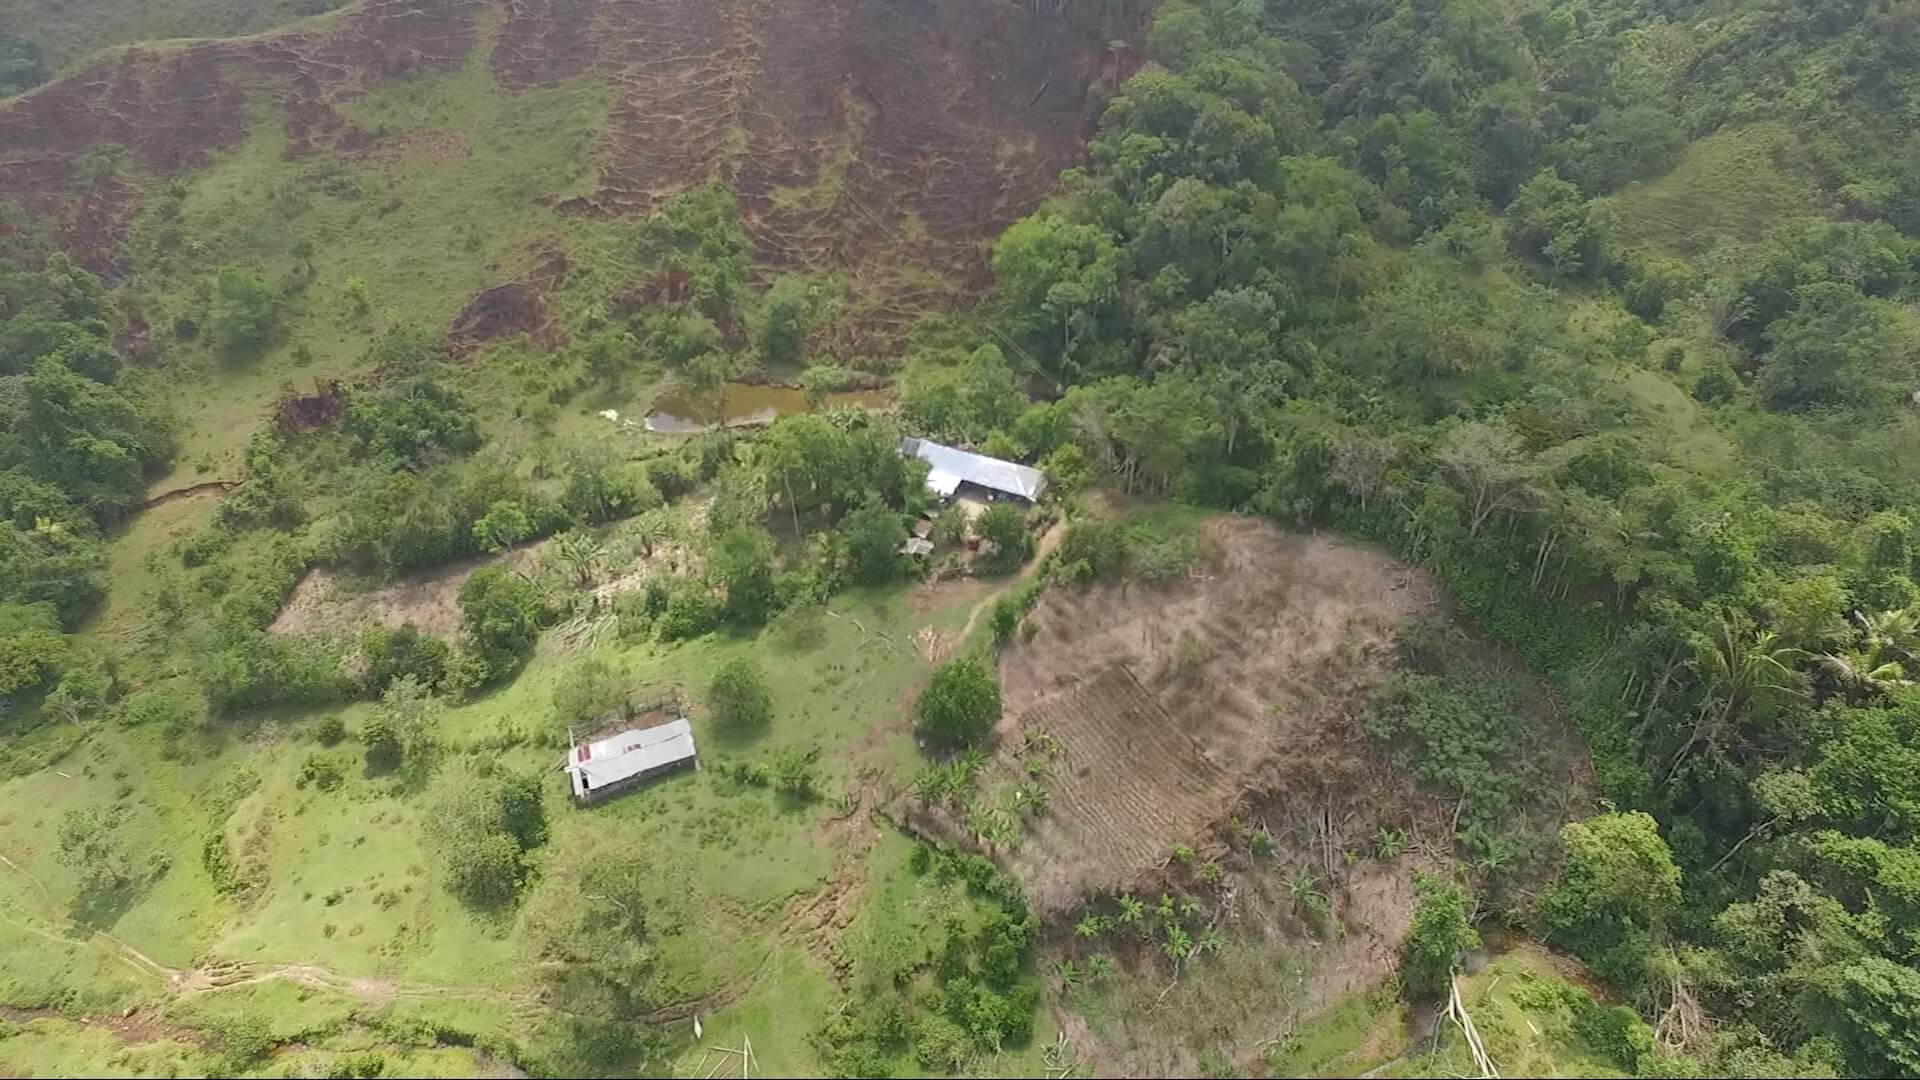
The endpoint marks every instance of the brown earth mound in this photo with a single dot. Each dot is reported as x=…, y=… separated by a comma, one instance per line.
x=513, y=308
x=518, y=307
x=327, y=604
x=863, y=137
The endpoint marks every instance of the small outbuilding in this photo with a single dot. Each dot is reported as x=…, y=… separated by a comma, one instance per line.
x=951, y=471
x=623, y=760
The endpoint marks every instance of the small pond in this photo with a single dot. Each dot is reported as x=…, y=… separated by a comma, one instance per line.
x=745, y=405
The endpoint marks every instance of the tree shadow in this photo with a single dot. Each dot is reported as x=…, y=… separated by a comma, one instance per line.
x=98, y=908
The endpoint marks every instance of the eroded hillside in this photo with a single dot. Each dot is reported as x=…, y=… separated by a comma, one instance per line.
x=873, y=139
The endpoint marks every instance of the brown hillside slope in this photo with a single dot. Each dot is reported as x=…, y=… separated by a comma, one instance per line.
x=863, y=137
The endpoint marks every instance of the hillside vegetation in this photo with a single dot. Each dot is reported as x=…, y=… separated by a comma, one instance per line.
x=44, y=36
x=1594, y=318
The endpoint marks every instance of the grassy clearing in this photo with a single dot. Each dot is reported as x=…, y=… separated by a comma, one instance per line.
x=147, y=536
x=1521, y=1002
x=1358, y=1032
x=458, y=173
x=1214, y=1016
x=1734, y=185
x=1687, y=432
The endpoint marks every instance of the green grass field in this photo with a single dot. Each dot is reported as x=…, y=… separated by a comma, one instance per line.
x=348, y=880
x=1734, y=185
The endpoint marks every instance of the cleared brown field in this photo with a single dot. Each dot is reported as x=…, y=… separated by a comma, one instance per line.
x=1235, y=691
x=1126, y=786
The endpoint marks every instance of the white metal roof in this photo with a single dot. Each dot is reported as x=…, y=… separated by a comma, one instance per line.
x=951, y=468
x=619, y=757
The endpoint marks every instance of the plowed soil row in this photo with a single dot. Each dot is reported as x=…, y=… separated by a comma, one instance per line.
x=1126, y=785
x=876, y=139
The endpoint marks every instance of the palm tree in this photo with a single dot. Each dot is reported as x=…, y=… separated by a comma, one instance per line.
x=579, y=552
x=1738, y=665
x=650, y=529
x=1888, y=641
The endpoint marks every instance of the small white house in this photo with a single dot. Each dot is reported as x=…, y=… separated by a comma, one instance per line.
x=618, y=762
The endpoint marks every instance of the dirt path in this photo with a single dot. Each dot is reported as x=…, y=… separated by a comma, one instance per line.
x=188, y=492
x=1048, y=541
x=228, y=975
x=63, y=931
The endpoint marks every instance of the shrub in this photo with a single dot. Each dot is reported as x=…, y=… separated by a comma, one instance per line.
x=691, y=611
x=1616, y=1033
x=873, y=536
x=391, y=654
x=1092, y=551
x=742, y=562
x=950, y=528
x=738, y=696
x=483, y=870
x=406, y=424
x=1163, y=561
x=791, y=771
x=669, y=477
x=961, y=704
x=170, y=708
x=366, y=1065
x=780, y=326
x=1005, y=618
x=482, y=822
x=244, y=310
x=246, y=1038
x=331, y=730
x=323, y=771
x=589, y=689
x=243, y=668
x=1613, y=893
x=1004, y=525
x=500, y=613
x=1436, y=939
x=381, y=737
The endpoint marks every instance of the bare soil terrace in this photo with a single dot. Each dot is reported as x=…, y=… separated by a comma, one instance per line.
x=1171, y=705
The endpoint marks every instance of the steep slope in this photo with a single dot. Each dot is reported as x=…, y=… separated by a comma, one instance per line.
x=863, y=137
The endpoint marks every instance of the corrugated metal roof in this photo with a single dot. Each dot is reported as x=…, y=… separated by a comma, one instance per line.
x=628, y=754
x=951, y=468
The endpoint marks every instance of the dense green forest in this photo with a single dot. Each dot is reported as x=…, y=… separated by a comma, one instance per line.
x=1386, y=267
x=1603, y=311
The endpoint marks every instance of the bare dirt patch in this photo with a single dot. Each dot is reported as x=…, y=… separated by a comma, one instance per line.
x=1126, y=785
x=517, y=307
x=1168, y=704
x=328, y=603
x=1223, y=707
